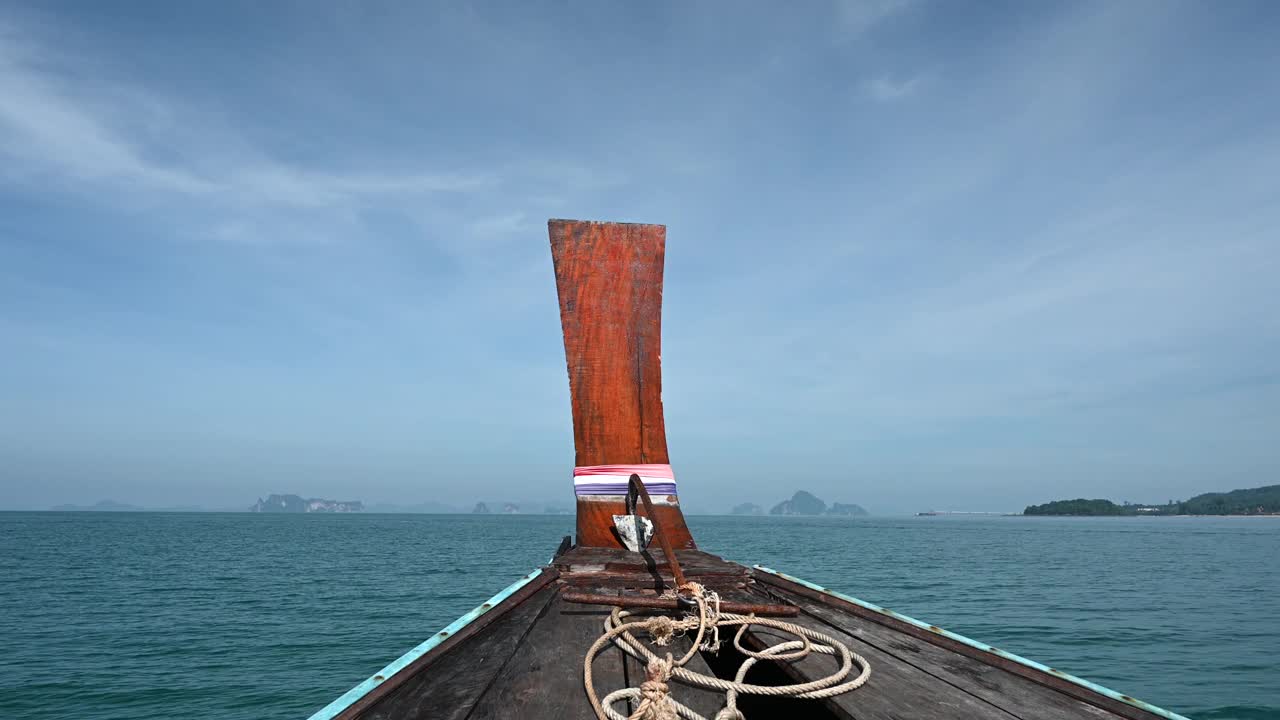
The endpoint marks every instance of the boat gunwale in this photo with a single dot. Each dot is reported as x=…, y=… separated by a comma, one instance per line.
x=376, y=686
x=1045, y=672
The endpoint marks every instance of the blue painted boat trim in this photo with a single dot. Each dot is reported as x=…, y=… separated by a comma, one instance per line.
x=981, y=646
x=330, y=711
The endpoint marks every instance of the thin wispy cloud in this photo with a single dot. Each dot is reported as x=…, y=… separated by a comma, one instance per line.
x=858, y=16
x=50, y=136
x=887, y=89
x=958, y=252
x=100, y=136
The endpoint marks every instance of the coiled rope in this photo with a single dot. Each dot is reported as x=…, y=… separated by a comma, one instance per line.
x=653, y=699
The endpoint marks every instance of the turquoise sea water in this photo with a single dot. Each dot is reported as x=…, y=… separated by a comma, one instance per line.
x=246, y=616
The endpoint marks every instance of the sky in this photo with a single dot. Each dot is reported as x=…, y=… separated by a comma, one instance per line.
x=919, y=255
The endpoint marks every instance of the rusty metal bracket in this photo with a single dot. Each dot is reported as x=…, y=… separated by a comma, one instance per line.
x=682, y=600
x=635, y=487
x=666, y=603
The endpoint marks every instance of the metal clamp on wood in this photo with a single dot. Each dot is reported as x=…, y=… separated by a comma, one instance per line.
x=666, y=603
x=636, y=489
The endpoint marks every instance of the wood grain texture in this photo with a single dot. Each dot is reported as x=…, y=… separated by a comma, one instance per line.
x=459, y=641
x=544, y=677
x=694, y=562
x=525, y=659
x=595, y=523
x=1013, y=693
x=896, y=690
x=705, y=702
x=450, y=689
x=857, y=616
x=609, y=280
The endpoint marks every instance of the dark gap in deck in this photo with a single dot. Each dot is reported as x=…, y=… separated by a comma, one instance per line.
x=725, y=664
x=1022, y=691
x=1014, y=694
x=525, y=658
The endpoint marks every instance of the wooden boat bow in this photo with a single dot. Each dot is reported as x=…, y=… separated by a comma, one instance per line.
x=520, y=654
x=609, y=281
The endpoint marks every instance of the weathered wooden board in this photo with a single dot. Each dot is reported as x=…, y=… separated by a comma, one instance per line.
x=863, y=617
x=609, y=281
x=527, y=660
x=450, y=687
x=647, y=573
x=1017, y=695
x=895, y=691
x=543, y=679
x=485, y=616
x=703, y=701
x=595, y=520
x=695, y=563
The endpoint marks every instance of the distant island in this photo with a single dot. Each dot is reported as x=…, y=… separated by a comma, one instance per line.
x=747, y=509
x=1250, y=501
x=804, y=503
x=100, y=506
x=113, y=506
x=290, y=503
x=509, y=507
x=297, y=504
x=422, y=508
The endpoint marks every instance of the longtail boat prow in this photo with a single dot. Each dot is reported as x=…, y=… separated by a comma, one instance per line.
x=630, y=620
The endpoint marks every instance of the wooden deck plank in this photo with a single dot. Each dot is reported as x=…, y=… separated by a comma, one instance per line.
x=916, y=664
x=1017, y=695
x=485, y=615
x=531, y=657
x=599, y=560
x=895, y=691
x=544, y=676
x=705, y=702
x=907, y=630
x=450, y=687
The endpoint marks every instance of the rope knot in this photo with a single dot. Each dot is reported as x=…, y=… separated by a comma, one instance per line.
x=708, y=618
x=655, y=702
x=694, y=589
x=652, y=700
x=662, y=629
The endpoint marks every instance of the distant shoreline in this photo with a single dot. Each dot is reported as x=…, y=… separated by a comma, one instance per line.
x=1242, y=502
x=226, y=511
x=1153, y=515
x=234, y=511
